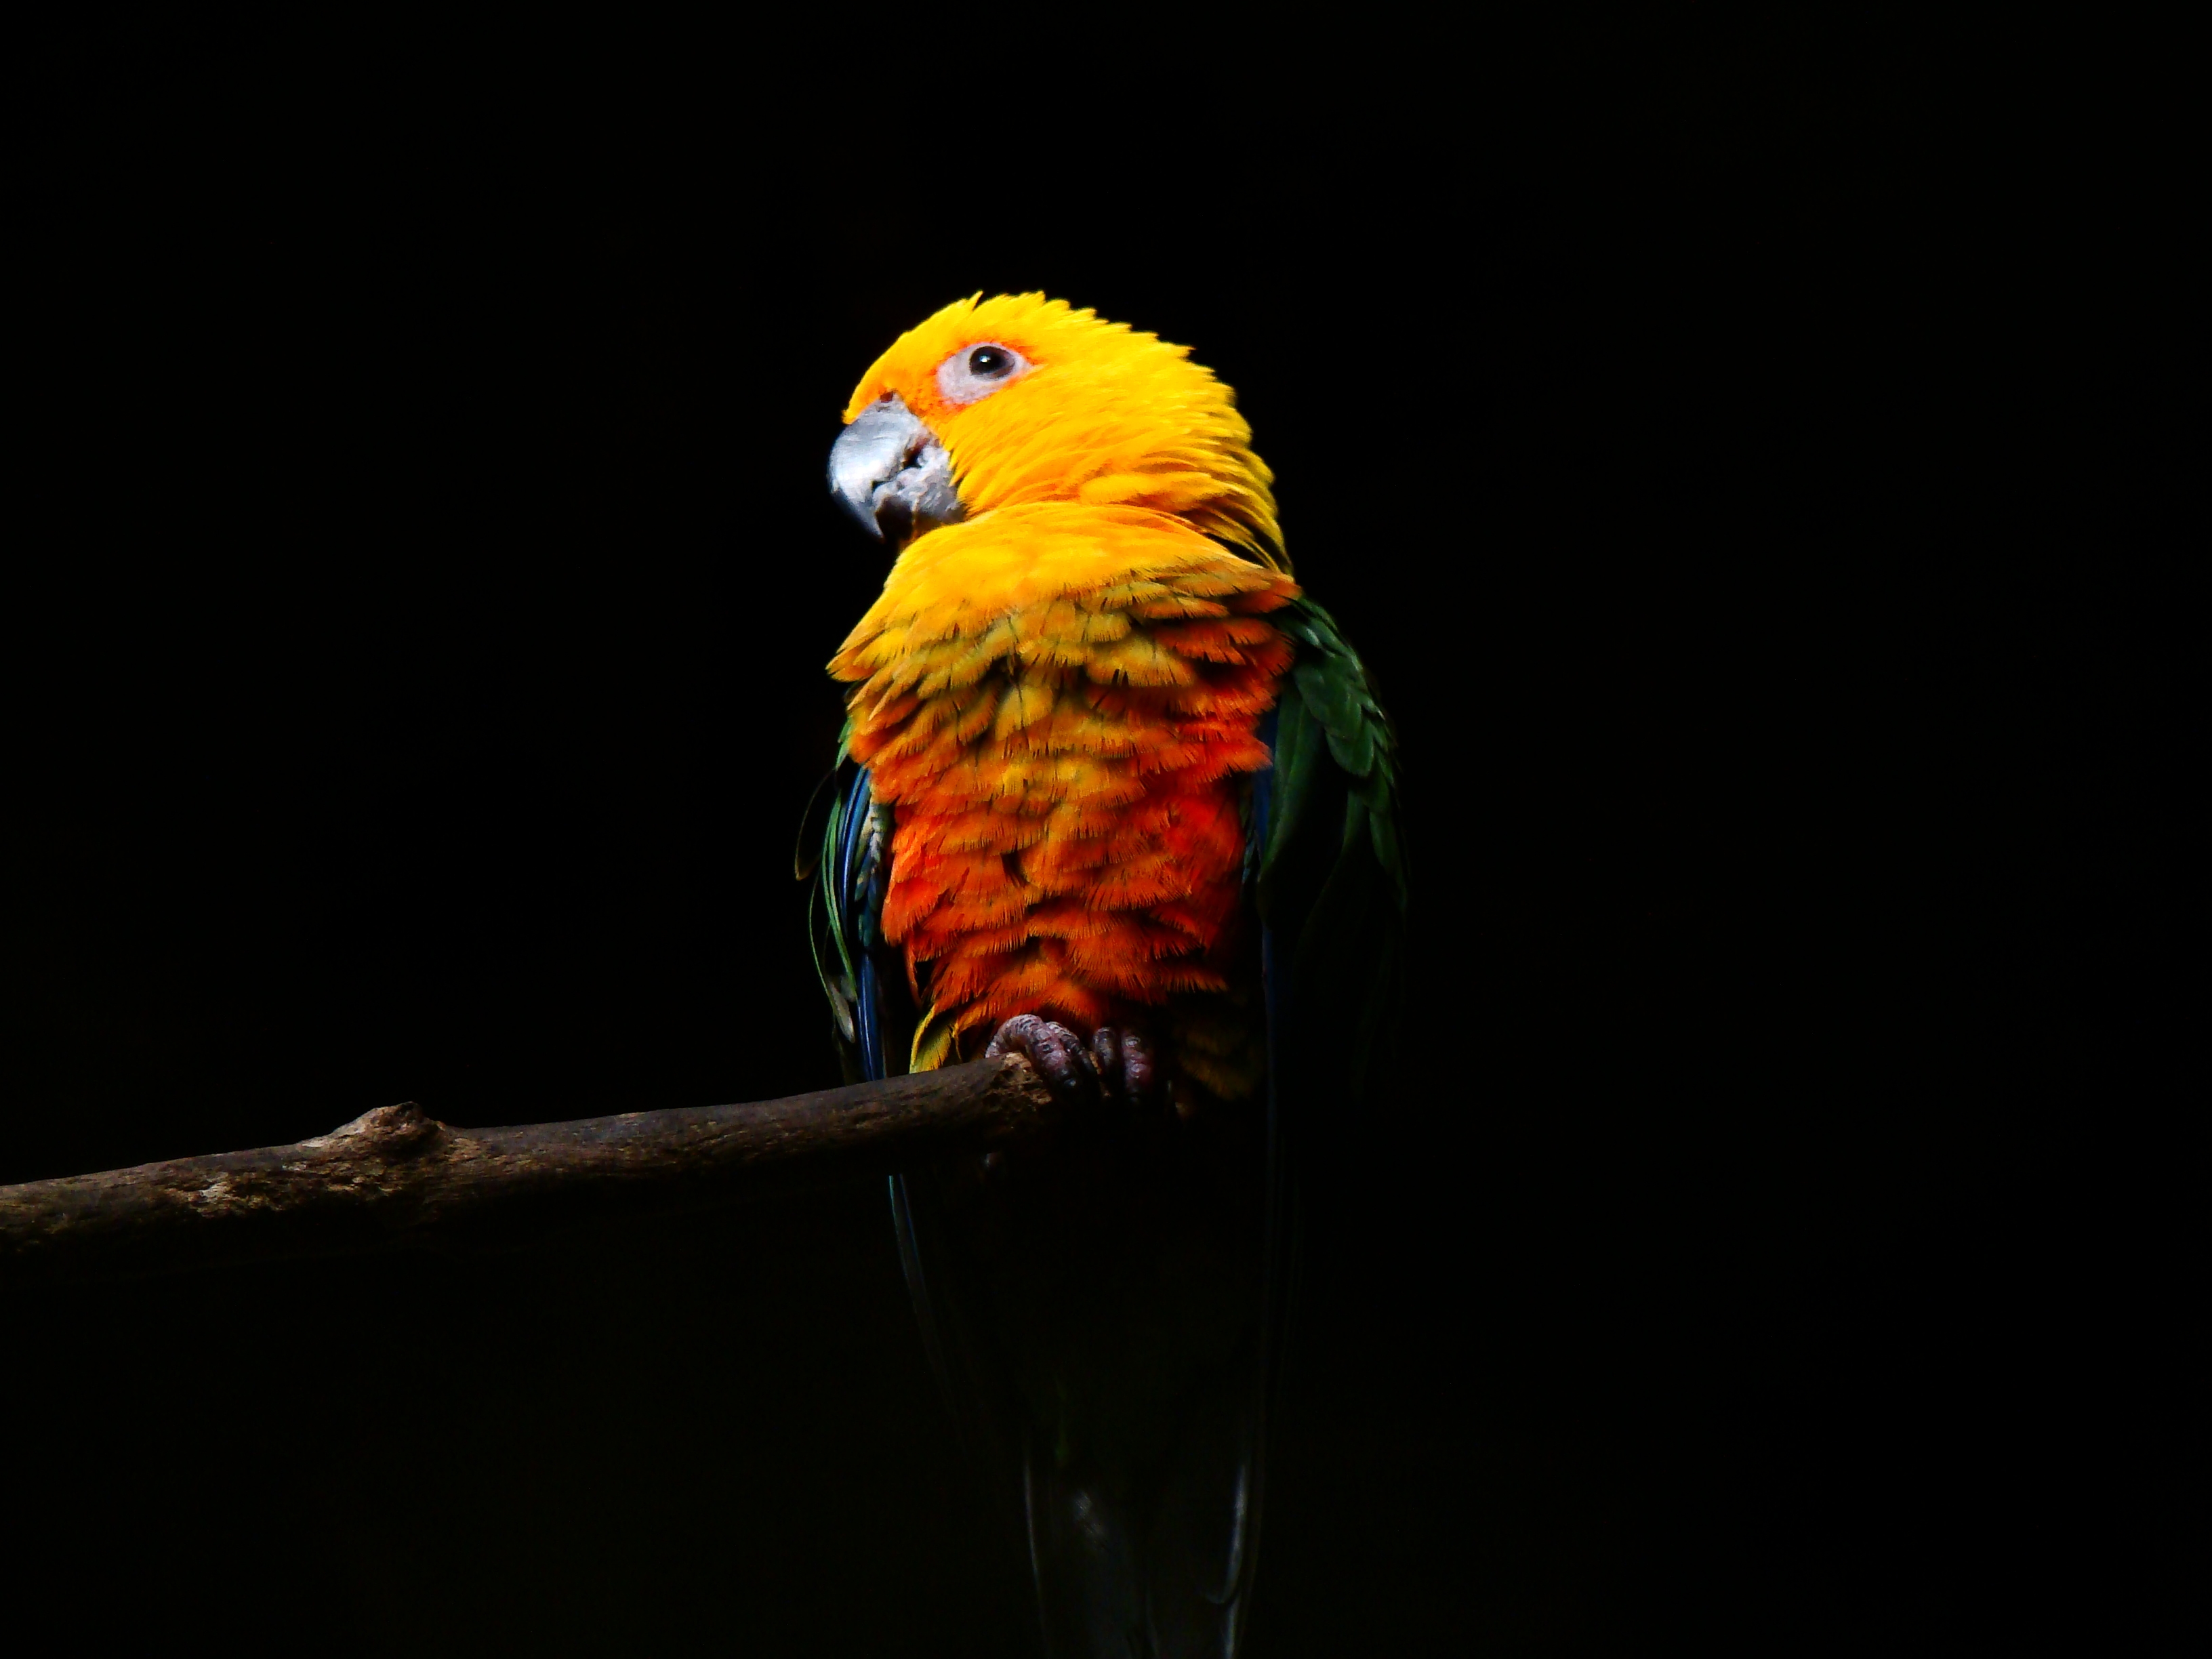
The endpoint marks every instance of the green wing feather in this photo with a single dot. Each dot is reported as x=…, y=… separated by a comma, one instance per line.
x=1332, y=888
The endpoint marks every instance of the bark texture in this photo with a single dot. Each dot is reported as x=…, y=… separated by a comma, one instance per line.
x=396, y=1174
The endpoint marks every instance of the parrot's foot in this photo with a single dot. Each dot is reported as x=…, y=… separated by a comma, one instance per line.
x=1119, y=1063
x=1057, y=1052
x=1127, y=1069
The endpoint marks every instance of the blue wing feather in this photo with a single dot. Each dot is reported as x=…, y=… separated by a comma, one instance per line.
x=856, y=875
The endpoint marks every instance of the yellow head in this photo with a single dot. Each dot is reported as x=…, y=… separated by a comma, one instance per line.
x=1016, y=399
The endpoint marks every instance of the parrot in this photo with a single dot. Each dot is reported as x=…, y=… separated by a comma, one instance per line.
x=1115, y=795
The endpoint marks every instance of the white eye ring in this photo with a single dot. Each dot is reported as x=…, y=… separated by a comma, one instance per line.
x=975, y=372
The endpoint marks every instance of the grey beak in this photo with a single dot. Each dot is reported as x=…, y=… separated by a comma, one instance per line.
x=890, y=473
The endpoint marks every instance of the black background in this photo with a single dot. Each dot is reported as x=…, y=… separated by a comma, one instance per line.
x=421, y=578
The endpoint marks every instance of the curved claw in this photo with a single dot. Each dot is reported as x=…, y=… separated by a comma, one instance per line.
x=1126, y=1064
x=1056, y=1052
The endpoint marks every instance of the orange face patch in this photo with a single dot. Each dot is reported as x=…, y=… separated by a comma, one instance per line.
x=1100, y=413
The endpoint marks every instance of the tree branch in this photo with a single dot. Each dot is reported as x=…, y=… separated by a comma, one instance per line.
x=394, y=1173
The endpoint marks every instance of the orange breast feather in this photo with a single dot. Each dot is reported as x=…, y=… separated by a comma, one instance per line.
x=1058, y=700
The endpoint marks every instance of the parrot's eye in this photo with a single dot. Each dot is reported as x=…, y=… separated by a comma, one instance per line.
x=978, y=371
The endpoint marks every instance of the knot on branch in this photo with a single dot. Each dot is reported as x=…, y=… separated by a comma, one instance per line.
x=393, y=1131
